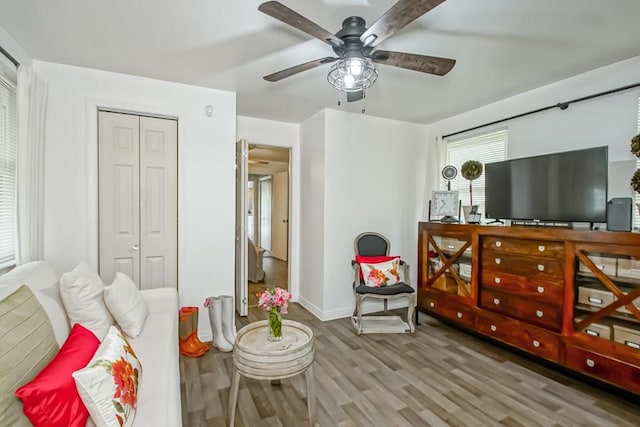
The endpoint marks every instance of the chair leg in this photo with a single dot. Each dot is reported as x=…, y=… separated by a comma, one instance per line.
x=410, y=312
x=385, y=305
x=359, y=300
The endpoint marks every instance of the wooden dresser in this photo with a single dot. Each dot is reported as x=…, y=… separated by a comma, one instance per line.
x=570, y=297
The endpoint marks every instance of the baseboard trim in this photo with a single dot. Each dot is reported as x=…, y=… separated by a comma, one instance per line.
x=339, y=313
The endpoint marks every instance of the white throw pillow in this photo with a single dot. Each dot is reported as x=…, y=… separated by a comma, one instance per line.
x=81, y=292
x=108, y=386
x=381, y=274
x=126, y=304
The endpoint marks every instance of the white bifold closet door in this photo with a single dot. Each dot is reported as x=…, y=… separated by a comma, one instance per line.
x=138, y=199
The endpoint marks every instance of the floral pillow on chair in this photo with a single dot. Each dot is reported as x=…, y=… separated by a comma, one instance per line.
x=381, y=274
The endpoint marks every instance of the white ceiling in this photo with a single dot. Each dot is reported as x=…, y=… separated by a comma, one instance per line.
x=502, y=47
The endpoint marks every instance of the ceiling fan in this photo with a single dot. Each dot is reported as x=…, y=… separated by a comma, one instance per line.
x=354, y=46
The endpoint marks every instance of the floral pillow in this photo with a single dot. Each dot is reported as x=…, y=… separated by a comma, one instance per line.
x=381, y=274
x=108, y=386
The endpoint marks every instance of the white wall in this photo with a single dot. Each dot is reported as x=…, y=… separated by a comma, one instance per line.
x=360, y=173
x=281, y=134
x=206, y=172
x=610, y=120
x=312, y=224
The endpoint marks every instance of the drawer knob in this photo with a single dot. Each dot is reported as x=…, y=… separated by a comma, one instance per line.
x=496, y=301
x=632, y=344
x=541, y=289
x=498, y=243
x=451, y=247
x=498, y=260
x=493, y=328
x=591, y=363
x=432, y=304
x=541, y=248
x=539, y=313
x=540, y=267
x=459, y=315
x=536, y=343
x=496, y=279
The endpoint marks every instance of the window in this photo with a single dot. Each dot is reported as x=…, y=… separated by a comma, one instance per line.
x=486, y=148
x=8, y=149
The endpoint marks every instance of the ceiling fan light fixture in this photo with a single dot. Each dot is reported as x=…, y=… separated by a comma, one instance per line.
x=352, y=74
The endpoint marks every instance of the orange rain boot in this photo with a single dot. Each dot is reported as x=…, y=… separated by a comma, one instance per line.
x=190, y=345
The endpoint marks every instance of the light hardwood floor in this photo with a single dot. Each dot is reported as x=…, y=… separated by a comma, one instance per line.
x=438, y=376
x=276, y=274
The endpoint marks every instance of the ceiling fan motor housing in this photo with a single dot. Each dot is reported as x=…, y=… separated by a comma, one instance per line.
x=352, y=28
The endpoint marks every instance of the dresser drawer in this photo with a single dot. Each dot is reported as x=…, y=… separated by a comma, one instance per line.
x=627, y=336
x=457, y=312
x=542, y=289
x=594, y=297
x=608, y=369
x=450, y=244
x=608, y=266
x=551, y=268
x=524, y=247
x=519, y=334
x=527, y=309
x=596, y=330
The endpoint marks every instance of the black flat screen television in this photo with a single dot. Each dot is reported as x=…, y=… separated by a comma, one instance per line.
x=567, y=187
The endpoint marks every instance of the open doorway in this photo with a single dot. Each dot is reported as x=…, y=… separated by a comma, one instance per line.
x=268, y=202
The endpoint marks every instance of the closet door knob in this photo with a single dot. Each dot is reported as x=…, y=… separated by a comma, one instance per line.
x=135, y=247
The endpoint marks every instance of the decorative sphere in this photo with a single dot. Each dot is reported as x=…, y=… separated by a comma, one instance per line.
x=471, y=170
x=635, y=181
x=635, y=145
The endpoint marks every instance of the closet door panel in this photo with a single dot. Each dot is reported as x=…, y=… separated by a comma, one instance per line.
x=118, y=200
x=158, y=202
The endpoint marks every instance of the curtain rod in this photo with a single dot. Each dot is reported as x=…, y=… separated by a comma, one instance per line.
x=560, y=105
x=13, y=60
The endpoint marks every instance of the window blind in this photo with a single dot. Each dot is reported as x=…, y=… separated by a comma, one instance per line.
x=485, y=148
x=8, y=149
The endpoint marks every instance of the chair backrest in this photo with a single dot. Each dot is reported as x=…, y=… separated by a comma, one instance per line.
x=371, y=244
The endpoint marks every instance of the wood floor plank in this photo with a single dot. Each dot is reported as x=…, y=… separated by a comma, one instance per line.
x=438, y=376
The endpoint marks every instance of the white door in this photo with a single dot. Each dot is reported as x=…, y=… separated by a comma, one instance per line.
x=118, y=195
x=242, y=149
x=158, y=203
x=280, y=216
x=137, y=186
x=265, y=213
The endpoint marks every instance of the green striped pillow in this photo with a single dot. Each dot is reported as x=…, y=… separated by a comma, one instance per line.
x=27, y=345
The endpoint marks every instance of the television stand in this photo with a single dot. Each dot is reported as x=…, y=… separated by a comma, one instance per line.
x=495, y=221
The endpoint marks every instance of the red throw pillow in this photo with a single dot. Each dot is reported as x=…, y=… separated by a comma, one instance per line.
x=373, y=260
x=51, y=398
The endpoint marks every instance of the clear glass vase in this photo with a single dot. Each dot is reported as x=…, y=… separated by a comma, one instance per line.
x=275, y=325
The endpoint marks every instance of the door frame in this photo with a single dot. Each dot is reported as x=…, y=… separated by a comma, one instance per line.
x=293, y=246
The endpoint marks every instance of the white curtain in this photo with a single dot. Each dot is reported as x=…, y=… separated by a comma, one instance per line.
x=32, y=113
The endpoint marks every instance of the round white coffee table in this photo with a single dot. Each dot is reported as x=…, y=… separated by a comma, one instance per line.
x=256, y=357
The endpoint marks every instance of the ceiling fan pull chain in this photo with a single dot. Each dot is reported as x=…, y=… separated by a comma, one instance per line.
x=364, y=101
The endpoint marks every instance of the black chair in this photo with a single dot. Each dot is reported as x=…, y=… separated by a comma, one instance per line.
x=375, y=244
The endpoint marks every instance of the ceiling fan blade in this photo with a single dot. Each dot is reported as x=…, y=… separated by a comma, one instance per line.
x=282, y=13
x=412, y=61
x=279, y=75
x=400, y=14
x=355, y=96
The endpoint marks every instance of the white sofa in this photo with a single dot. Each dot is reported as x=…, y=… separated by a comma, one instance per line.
x=156, y=347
